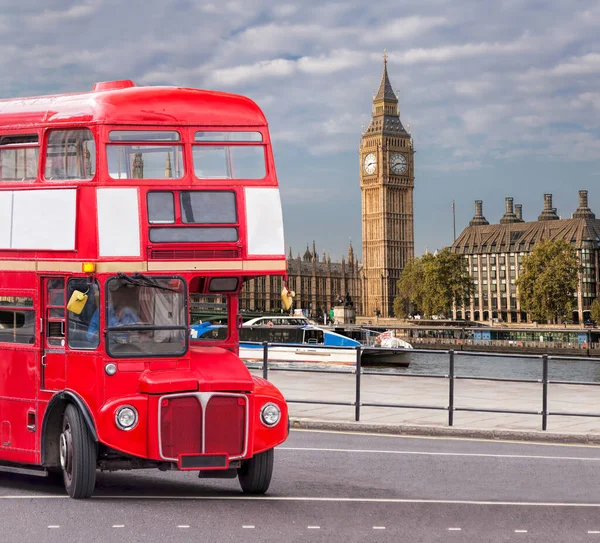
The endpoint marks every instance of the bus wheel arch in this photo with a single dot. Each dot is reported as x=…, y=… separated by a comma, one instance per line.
x=52, y=426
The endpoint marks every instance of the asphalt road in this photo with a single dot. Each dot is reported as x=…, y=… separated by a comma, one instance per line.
x=334, y=487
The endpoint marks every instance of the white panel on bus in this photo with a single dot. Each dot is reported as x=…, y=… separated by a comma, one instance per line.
x=264, y=220
x=5, y=218
x=44, y=219
x=118, y=222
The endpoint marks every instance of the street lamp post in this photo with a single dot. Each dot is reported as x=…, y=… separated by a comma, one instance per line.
x=383, y=302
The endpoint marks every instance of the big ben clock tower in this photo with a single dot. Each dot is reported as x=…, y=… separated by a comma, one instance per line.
x=386, y=182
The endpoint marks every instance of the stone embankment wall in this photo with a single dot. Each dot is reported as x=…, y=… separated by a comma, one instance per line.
x=512, y=346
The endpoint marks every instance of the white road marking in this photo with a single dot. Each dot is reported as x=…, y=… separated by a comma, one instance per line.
x=428, y=453
x=593, y=531
x=53, y=526
x=454, y=529
x=248, y=527
x=520, y=531
x=348, y=500
x=34, y=497
x=313, y=527
x=118, y=525
x=378, y=527
x=324, y=499
x=183, y=526
x=445, y=438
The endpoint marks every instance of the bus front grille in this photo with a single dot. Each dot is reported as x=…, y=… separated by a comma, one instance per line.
x=225, y=425
x=210, y=423
x=180, y=426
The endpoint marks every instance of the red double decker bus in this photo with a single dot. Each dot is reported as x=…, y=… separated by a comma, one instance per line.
x=115, y=206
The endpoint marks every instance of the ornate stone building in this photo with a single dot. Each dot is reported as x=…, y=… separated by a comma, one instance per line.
x=495, y=253
x=386, y=182
x=318, y=283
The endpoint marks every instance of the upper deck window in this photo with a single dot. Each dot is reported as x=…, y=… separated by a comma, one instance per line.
x=227, y=136
x=138, y=160
x=71, y=154
x=237, y=161
x=19, y=157
x=144, y=135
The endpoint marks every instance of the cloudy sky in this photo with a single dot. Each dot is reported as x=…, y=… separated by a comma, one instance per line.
x=501, y=95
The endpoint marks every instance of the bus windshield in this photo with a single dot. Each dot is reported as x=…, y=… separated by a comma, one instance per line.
x=146, y=316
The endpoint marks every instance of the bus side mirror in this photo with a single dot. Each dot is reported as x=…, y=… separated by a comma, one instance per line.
x=77, y=302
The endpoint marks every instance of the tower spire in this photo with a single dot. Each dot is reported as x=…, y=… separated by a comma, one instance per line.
x=385, y=92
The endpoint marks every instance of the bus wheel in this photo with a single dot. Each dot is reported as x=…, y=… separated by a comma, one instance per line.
x=255, y=473
x=77, y=455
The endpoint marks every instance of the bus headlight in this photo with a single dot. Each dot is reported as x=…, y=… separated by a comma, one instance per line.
x=270, y=414
x=126, y=417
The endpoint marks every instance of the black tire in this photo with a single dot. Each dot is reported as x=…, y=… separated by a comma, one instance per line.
x=255, y=473
x=77, y=455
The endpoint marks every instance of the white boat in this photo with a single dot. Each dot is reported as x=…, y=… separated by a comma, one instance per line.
x=306, y=343
x=301, y=342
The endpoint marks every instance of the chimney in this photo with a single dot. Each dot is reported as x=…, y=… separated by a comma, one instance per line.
x=519, y=212
x=583, y=211
x=478, y=219
x=549, y=212
x=509, y=216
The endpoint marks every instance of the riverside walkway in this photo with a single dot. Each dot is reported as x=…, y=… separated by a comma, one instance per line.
x=390, y=389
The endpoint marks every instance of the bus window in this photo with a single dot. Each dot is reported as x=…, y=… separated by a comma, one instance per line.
x=229, y=162
x=84, y=328
x=19, y=157
x=55, y=312
x=145, y=161
x=208, y=207
x=214, y=136
x=71, y=154
x=17, y=319
x=146, y=316
x=210, y=311
x=161, y=207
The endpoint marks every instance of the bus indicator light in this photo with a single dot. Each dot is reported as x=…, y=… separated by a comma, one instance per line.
x=88, y=267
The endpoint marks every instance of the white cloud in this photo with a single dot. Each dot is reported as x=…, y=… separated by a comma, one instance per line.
x=473, y=88
x=484, y=119
x=480, y=82
x=73, y=12
x=337, y=60
x=404, y=28
x=260, y=70
x=285, y=10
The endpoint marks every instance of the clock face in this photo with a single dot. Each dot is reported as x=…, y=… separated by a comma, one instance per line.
x=398, y=163
x=370, y=163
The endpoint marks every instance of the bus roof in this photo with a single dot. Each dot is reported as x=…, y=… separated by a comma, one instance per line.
x=121, y=102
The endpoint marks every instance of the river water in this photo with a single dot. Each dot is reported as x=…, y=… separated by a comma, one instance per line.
x=435, y=363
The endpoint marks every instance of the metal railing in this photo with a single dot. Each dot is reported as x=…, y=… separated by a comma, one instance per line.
x=450, y=376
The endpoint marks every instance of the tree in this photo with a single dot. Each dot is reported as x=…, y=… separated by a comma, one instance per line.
x=433, y=282
x=410, y=289
x=447, y=280
x=595, y=310
x=548, y=281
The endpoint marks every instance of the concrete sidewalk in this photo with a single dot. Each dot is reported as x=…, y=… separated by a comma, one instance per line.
x=434, y=392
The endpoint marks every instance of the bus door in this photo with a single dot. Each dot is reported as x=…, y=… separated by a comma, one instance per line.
x=53, y=333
